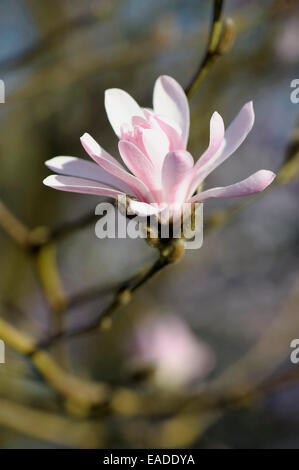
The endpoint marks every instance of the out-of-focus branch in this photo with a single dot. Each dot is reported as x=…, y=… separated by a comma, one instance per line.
x=44, y=44
x=67, y=228
x=54, y=37
x=50, y=427
x=184, y=424
x=170, y=254
x=80, y=395
x=50, y=278
x=290, y=168
x=220, y=41
x=13, y=226
x=234, y=388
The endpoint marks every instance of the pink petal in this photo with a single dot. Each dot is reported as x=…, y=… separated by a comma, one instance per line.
x=170, y=100
x=120, y=108
x=140, y=121
x=80, y=185
x=176, y=175
x=176, y=141
x=138, y=164
x=251, y=185
x=72, y=166
x=233, y=138
x=100, y=156
x=237, y=132
x=95, y=151
x=216, y=139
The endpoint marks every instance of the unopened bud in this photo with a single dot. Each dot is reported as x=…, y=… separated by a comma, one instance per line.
x=227, y=37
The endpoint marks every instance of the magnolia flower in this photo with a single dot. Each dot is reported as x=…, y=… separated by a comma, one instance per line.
x=166, y=344
x=152, y=145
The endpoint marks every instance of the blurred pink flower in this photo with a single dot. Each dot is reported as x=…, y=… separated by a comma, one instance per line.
x=287, y=43
x=167, y=344
x=152, y=144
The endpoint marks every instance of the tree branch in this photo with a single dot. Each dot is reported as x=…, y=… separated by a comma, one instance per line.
x=170, y=254
x=81, y=395
x=220, y=40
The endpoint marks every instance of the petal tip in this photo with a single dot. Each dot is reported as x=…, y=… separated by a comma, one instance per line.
x=84, y=136
x=268, y=177
x=48, y=162
x=250, y=108
x=49, y=180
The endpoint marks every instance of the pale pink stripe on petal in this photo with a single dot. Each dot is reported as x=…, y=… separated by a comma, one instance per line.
x=251, y=185
x=120, y=108
x=138, y=164
x=139, y=188
x=176, y=175
x=80, y=185
x=72, y=166
x=169, y=100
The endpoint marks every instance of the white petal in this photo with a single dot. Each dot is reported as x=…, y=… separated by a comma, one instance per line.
x=170, y=101
x=120, y=108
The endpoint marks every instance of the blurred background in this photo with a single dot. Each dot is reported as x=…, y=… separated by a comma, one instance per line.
x=216, y=324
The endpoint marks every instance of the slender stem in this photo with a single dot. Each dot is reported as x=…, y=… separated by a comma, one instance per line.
x=212, y=51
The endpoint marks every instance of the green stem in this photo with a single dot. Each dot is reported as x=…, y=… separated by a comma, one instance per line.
x=212, y=49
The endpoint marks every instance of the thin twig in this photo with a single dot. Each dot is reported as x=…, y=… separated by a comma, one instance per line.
x=220, y=40
x=122, y=297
